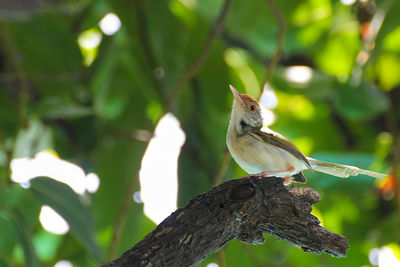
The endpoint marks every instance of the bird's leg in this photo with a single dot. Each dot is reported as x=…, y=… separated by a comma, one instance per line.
x=287, y=180
x=273, y=173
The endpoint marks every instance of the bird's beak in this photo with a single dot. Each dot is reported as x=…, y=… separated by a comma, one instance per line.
x=236, y=94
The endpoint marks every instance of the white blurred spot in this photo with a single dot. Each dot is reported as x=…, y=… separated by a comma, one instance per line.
x=110, y=24
x=63, y=263
x=268, y=97
x=347, y=2
x=299, y=74
x=268, y=117
x=45, y=163
x=89, y=39
x=25, y=185
x=268, y=101
x=92, y=182
x=383, y=257
x=52, y=222
x=212, y=264
x=136, y=197
x=159, y=170
x=373, y=256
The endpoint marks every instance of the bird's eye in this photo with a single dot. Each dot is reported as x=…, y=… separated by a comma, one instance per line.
x=252, y=107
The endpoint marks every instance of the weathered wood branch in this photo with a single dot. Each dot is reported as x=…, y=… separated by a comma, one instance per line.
x=243, y=209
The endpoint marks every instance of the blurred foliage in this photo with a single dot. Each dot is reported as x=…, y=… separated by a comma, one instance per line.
x=89, y=103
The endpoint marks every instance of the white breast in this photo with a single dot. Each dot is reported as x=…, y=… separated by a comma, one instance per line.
x=255, y=156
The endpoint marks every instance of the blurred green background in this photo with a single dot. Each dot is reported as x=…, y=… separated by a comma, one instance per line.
x=75, y=84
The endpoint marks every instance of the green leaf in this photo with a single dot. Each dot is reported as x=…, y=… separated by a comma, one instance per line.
x=8, y=235
x=45, y=44
x=24, y=235
x=387, y=69
x=361, y=102
x=63, y=200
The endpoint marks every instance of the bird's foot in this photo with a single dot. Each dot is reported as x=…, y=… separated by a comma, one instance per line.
x=287, y=180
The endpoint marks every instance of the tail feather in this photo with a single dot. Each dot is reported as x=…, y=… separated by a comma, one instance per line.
x=339, y=170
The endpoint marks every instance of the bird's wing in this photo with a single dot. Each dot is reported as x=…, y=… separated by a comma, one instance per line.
x=278, y=140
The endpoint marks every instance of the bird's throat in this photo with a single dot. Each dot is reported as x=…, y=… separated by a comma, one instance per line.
x=244, y=125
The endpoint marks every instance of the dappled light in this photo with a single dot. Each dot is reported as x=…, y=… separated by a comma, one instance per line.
x=47, y=163
x=63, y=263
x=268, y=97
x=385, y=257
x=159, y=170
x=52, y=222
x=298, y=74
x=110, y=24
x=348, y=2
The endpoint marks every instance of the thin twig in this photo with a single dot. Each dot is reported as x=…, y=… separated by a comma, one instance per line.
x=222, y=168
x=214, y=32
x=56, y=76
x=117, y=230
x=281, y=36
x=390, y=117
x=144, y=39
x=20, y=76
x=221, y=260
x=369, y=38
x=145, y=42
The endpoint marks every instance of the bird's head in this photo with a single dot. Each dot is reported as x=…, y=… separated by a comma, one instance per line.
x=246, y=111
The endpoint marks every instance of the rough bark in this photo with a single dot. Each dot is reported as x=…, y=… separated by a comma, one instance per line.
x=242, y=208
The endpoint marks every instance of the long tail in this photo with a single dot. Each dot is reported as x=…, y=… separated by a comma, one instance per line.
x=339, y=170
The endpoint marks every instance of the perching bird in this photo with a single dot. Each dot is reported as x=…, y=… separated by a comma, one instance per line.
x=261, y=151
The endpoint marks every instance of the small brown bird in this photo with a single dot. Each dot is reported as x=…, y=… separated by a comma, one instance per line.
x=261, y=151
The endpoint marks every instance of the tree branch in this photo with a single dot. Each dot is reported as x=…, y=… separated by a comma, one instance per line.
x=240, y=208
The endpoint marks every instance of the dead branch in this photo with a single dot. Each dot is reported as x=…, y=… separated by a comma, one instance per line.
x=242, y=208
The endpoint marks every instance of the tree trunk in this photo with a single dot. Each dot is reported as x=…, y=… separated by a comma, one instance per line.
x=243, y=209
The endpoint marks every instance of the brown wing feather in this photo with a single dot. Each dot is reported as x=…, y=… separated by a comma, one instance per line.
x=281, y=142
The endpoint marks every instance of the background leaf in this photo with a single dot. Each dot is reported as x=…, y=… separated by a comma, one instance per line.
x=63, y=200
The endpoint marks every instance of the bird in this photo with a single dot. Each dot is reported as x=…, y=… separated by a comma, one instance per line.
x=262, y=152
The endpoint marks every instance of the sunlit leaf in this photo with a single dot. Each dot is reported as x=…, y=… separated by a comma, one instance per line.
x=392, y=41
x=38, y=52
x=388, y=66
x=338, y=56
